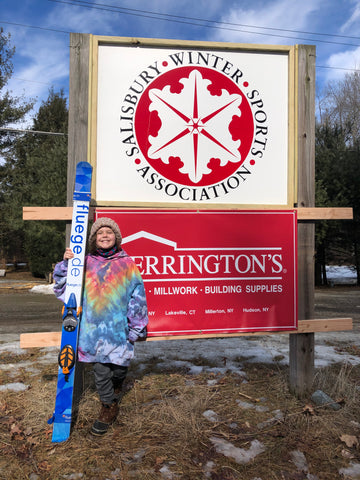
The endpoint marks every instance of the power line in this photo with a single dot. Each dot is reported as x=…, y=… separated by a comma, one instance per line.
x=170, y=15
x=339, y=68
x=32, y=81
x=186, y=20
x=157, y=15
x=63, y=31
x=33, y=26
x=36, y=132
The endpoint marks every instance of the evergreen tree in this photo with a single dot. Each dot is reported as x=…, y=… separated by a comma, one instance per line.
x=337, y=172
x=329, y=149
x=36, y=176
x=338, y=166
x=12, y=110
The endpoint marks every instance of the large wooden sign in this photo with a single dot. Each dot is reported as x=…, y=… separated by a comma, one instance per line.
x=287, y=179
x=186, y=123
x=214, y=272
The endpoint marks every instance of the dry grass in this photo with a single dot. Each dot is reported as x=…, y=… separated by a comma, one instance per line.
x=161, y=427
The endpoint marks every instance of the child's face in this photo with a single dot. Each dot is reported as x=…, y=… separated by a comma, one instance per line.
x=105, y=238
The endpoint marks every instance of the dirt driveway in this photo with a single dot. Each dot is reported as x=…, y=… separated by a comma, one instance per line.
x=22, y=311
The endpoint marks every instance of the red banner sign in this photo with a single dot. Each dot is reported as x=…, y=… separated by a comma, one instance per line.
x=214, y=271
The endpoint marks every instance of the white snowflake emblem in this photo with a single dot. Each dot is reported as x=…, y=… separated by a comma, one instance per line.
x=194, y=126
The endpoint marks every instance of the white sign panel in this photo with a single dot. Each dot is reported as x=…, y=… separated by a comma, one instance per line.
x=191, y=126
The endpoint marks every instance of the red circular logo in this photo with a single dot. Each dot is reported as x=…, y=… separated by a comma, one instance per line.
x=194, y=126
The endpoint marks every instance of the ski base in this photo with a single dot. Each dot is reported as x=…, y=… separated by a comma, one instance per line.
x=63, y=417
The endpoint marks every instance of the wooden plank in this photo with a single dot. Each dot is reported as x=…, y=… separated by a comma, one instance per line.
x=324, y=325
x=174, y=43
x=51, y=213
x=52, y=339
x=322, y=213
x=47, y=213
x=40, y=340
x=65, y=213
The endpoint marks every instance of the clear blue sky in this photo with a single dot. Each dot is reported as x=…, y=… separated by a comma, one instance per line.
x=40, y=31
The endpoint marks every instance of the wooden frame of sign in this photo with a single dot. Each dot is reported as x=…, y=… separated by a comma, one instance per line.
x=263, y=169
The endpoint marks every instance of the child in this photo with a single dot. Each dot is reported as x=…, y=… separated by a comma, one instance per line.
x=114, y=314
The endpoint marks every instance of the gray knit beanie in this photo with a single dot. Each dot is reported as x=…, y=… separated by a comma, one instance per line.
x=104, y=222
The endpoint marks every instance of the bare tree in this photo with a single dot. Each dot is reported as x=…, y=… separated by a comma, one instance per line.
x=340, y=106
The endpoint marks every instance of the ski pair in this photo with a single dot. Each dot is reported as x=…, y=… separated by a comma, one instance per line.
x=62, y=418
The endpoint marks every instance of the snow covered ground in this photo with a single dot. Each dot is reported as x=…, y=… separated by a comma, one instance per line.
x=339, y=275
x=225, y=352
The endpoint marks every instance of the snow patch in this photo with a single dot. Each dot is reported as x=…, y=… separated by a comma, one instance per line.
x=44, y=289
x=247, y=406
x=74, y=476
x=352, y=471
x=341, y=275
x=240, y=455
x=208, y=468
x=211, y=416
x=166, y=473
x=12, y=347
x=299, y=460
x=326, y=355
x=14, y=387
x=278, y=417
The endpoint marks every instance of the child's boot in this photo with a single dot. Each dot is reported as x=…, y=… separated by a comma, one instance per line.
x=107, y=415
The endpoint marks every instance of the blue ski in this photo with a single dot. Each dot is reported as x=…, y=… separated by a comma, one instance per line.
x=63, y=414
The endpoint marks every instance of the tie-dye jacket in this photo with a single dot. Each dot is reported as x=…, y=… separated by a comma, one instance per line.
x=114, y=308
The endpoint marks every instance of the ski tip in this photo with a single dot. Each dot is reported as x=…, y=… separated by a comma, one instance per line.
x=83, y=178
x=86, y=166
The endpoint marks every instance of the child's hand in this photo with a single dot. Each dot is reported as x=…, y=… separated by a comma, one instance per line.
x=68, y=254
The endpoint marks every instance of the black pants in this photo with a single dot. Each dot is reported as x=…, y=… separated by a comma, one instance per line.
x=108, y=380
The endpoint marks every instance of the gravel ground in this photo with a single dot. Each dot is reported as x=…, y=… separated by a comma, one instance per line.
x=22, y=311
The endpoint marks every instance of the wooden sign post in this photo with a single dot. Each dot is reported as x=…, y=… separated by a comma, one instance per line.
x=302, y=345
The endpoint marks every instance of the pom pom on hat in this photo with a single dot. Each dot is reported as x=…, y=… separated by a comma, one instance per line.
x=104, y=222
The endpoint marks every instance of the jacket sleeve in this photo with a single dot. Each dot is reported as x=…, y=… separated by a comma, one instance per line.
x=60, y=273
x=137, y=313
